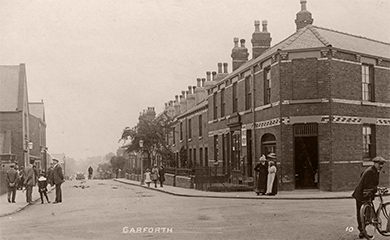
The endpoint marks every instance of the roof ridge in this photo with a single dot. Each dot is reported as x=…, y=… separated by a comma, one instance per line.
x=319, y=36
x=349, y=34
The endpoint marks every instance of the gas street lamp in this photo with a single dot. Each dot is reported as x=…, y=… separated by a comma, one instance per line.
x=141, y=144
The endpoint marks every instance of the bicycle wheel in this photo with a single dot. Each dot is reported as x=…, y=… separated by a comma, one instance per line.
x=383, y=219
x=366, y=215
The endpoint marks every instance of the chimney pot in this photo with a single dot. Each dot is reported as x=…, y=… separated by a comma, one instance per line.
x=176, y=98
x=203, y=80
x=183, y=93
x=219, y=67
x=225, y=67
x=189, y=90
x=193, y=88
x=264, y=23
x=257, y=24
x=242, y=43
x=208, y=76
x=235, y=42
x=303, y=5
x=198, y=82
x=214, y=73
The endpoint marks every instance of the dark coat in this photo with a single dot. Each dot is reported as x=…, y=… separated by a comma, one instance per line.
x=12, y=176
x=161, y=173
x=50, y=176
x=369, y=179
x=58, y=176
x=262, y=180
x=30, y=177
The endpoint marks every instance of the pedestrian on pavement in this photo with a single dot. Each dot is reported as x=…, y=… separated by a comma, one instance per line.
x=368, y=183
x=272, y=182
x=155, y=175
x=90, y=172
x=161, y=173
x=21, y=178
x=58, y=178
x=147, y=175
x=50, y=175
x=30, y=180
x=42, y=186
x=11, y=179
x=262, y=169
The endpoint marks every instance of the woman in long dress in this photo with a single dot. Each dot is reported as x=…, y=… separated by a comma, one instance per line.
x=271, y=184
x=262, y=168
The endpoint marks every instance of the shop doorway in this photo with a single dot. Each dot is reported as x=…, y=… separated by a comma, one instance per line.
x=306, y=156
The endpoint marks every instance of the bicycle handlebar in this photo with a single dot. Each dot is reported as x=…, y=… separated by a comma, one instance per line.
x=382, y=191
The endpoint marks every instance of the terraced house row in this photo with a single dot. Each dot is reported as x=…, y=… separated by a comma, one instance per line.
x=319, y=100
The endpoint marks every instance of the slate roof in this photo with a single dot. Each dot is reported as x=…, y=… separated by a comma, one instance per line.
x=311, y=37
x=37, y=109
x=9, y=87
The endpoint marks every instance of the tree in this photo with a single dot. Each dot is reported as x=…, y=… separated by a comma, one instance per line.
x=154, y=134
x=117, y=163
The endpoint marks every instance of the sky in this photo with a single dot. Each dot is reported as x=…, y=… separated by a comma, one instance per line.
x=96, y=64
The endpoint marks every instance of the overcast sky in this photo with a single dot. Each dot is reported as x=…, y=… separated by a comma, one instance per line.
x=97, y=64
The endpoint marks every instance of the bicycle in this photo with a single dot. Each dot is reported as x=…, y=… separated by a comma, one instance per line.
x=375, y=219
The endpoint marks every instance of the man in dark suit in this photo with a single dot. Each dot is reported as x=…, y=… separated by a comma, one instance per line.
x=29, y=181
x=369, y=179
x=50, y=177
x=58, y=178
x=12, y=178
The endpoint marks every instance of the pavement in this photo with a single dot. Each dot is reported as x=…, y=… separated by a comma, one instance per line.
x=7, y=208
x=311, y=194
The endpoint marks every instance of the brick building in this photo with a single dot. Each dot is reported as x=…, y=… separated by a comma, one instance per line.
x=319, y=100
x=14, y=115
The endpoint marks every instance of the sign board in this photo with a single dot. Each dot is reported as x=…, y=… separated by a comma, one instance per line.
x=243, y=136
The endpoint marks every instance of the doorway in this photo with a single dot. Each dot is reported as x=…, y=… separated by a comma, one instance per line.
x=306, y=156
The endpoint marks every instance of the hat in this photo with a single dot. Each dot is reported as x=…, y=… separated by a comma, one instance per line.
x=272, y=155
x=55, y=160
x=379, y=160
x=262, y=158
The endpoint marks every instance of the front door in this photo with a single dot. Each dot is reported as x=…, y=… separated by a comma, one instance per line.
x=306, y=160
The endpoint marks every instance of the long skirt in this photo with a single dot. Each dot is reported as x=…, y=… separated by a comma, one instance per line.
x=272, y=184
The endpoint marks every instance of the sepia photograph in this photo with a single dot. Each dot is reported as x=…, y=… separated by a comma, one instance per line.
x=206, y=119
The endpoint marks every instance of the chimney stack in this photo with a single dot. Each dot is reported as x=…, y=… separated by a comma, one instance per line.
x=183, y=102
x=239, y=54
x=304, y=17
x=190, y=98
x=176, y=105
x=200, y=91
x=261, y=41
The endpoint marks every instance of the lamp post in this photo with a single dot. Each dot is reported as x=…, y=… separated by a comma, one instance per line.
x=141, y=144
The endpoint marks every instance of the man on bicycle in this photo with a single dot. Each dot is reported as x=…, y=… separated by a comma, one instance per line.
x=369, y=179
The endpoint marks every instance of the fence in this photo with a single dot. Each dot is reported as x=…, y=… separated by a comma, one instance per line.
x=215, y=179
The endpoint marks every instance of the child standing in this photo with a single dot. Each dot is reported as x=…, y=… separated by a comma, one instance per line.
x=42, y=186
x=148, y=180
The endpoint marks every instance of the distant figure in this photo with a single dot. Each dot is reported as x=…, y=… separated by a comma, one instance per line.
x=90, y=172
x=42, y=186
x=161, y=173
x=147, y=175
x=11, y=178
x=29, y=181
x=58, y=178
x=262, y=168
x=155, y=175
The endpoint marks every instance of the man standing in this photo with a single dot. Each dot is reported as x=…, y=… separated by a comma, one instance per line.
x=29, y=181
x=50, y=177
x=161, y=173
x=90, y=172
x=12, y=178
x=369, y=179
x=58, y=178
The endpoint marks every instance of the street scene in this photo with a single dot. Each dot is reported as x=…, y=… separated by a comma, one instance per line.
x=106, y=209
x=198, y=119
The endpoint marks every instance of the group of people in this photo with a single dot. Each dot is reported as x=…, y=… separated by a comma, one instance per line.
x=26, y=178
x=156, y=174
x=267, y=183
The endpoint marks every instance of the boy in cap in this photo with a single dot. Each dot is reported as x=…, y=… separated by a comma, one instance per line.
x=369, y=179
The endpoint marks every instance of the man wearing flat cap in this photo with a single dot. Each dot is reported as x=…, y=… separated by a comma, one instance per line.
x=369, y=179
x=58, y=178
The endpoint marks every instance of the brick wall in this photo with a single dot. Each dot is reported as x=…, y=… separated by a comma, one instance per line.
x=13, y=121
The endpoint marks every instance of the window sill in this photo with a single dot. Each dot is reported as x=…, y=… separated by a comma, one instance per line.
x=201, y=137
x=369, y=103
x=190, y=139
